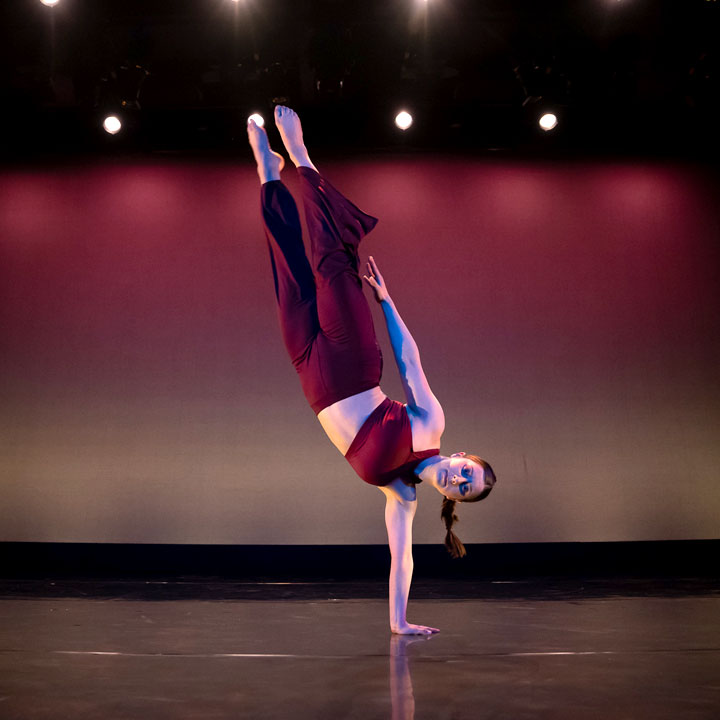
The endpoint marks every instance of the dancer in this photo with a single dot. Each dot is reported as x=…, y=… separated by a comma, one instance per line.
x=328, y=331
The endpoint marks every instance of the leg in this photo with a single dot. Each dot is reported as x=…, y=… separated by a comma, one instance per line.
x=269, y=163
x=288, y=124
x=345, y=358
x=293, y=278
x=331, y=365
x=351, y=359
x=336, y=225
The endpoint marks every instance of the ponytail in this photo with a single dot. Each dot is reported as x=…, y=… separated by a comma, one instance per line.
x=452, y=541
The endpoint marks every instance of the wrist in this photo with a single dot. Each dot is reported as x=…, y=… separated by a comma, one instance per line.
x=396, y=626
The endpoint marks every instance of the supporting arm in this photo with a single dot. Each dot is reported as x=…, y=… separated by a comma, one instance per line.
x=398, y=519
x=400, y=509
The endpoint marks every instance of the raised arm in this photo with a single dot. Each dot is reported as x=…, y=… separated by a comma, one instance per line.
x=419, y=396
x=400, y=509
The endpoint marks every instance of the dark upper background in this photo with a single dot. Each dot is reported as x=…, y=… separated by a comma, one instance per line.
x=633, y=77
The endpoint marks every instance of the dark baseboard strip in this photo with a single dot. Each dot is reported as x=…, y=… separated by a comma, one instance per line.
x=669, y=558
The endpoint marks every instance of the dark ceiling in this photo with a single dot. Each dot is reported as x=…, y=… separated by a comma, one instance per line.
x=625, y=76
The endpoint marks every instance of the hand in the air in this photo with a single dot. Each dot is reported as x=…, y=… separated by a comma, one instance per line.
x=376, y=281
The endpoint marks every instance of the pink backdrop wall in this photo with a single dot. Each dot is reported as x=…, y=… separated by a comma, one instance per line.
x=567, y=317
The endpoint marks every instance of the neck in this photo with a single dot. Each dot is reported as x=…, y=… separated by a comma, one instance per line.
x=424, y=468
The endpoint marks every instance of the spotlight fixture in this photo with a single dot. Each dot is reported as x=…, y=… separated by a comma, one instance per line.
x=258, y=119
x=548, y=121
x=403, y=120
x=112, y=124
x=50, y=3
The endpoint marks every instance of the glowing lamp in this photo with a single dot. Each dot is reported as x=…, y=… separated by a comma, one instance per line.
x=112, y=124
x=548, y=121
x=403, y=120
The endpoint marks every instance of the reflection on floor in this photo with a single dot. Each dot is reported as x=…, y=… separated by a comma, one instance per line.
x=195, y=648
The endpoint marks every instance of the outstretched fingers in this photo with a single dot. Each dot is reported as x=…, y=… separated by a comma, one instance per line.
x=373, y=267
x=376, y=281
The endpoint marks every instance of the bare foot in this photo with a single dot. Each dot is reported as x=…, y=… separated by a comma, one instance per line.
x=288, y=123
x=269, y=163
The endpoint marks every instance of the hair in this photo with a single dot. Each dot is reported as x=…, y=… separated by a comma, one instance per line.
x=447, y=513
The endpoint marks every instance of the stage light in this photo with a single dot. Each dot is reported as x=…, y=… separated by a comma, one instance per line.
x=49, y=3
x=258, y=119
x=112, y=124
x=403, y=120
x=548, y=121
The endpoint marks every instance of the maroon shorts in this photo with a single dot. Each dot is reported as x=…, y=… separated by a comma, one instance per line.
x=325, y=319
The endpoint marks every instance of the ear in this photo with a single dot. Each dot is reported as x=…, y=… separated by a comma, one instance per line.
x=460, y=454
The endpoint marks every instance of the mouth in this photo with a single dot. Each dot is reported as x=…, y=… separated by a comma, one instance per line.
x=442, y=479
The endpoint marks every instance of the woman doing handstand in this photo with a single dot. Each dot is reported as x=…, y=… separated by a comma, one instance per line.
x=328, y=331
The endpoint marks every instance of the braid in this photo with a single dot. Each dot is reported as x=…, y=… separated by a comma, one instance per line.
x=452, y=541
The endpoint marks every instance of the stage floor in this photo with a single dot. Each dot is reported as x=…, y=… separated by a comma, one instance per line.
x=575, y=649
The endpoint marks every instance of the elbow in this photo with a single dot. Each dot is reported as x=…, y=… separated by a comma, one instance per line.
x=409, y=361
x=411, y=355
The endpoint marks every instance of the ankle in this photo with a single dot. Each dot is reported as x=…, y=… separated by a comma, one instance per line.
x=268, y=175
x=304, y=161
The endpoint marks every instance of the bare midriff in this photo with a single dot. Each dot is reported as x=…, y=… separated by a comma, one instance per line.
x=342, y=420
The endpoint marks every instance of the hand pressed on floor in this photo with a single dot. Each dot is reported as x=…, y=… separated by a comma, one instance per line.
x=410, y=629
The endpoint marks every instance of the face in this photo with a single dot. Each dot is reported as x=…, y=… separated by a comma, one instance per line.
x=459, y=478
